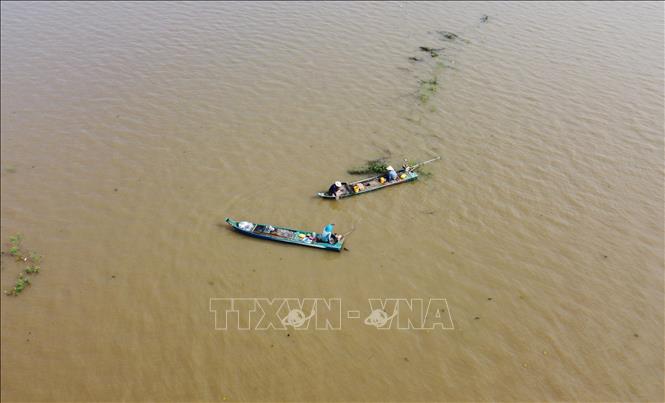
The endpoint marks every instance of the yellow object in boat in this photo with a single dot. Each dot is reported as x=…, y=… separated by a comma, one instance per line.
x=301, y=236
x=402, y=176
x=382, y=180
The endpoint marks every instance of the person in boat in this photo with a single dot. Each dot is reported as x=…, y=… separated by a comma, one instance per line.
x=392, y=174
x=327, y=231
x=327, y=236
x=336, y=189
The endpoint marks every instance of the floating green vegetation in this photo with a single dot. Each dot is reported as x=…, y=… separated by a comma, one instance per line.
x=449, y=36
x=427, y=89
x=440, y=66
x=437, y=62
x=434, y=52
x=35, y=257
x=377, y=166
x=15, y=246
x=424, y=174
x=30, y=257
x=10, y=170
x=21, y=283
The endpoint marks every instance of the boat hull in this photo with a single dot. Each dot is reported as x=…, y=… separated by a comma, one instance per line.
x=280, y=234
x=370, y=185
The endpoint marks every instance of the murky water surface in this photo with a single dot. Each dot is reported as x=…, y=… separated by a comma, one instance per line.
x=130, y=130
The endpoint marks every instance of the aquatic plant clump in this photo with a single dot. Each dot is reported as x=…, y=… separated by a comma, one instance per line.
x=31, y=258
x=448, y=35
x=21, y=283
x=15, y=245
x=427, y=89
x=433, y=52
x=377, y=166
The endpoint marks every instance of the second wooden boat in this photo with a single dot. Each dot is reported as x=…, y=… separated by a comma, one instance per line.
x=370, y=184
x=367, y=185
x=281, y=234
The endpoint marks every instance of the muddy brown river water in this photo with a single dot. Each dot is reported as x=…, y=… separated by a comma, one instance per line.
x=131, y=130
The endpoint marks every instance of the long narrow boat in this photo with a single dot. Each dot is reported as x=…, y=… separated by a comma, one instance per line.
x=370, y=184
x=376, y=182
x=280, y=234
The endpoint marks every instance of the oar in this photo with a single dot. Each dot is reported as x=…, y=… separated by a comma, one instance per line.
x=347, y=233
x=413, y=168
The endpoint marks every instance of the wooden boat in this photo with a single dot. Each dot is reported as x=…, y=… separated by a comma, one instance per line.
x=280, y=234
x=370, y=185
x=375, y=183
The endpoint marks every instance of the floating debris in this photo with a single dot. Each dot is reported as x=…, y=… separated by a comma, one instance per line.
x=427, y=89
x=15, y=246
x=448, y=35
x=428, y=49
x=434, y=52
x=21, y=283
x=484, y=18
x=31, y=258
x=451, y=36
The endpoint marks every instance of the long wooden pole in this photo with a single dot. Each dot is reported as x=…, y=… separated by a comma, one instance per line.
x=425, y=162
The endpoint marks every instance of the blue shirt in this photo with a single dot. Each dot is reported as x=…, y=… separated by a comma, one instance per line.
x=325, y=235
x=392, y=175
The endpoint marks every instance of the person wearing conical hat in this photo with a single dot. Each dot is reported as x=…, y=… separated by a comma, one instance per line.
x=336, y=189
x=392, y=174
